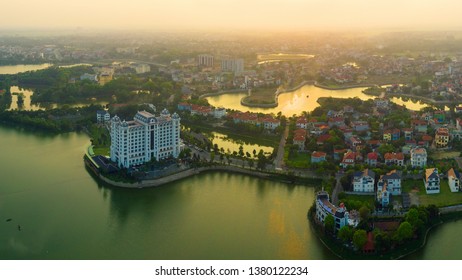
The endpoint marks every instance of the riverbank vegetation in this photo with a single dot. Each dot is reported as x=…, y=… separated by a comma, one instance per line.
x=64, y=86
x=57, y=120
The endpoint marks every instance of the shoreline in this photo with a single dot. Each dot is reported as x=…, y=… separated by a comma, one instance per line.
x=422, y=99
x=190, y=172
x=280, y=91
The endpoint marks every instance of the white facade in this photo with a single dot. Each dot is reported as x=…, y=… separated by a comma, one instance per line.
x=219, y=113
x=205, y=60
x=232, y=65
x=90, y=77
x=393, y=181
x=432, y=181
x=383, y=195
x=142, y=68
x=418, y=157
x=271, y=125
x=145, y=138
x=102, y=116
x=324, y=208
x=364, y=181
x=454, y=180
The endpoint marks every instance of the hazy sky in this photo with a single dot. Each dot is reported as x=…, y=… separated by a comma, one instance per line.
x=231, y=14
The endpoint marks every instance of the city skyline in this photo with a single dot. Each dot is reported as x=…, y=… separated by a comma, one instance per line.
x=226, y=14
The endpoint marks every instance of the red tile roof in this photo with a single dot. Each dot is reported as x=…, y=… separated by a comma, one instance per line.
x=372, y=156
x=369, y=246
x=318, y=154
x=323, y=138
x=300, y=131
x=427, y=138
x=301, y=121
x=394, y=156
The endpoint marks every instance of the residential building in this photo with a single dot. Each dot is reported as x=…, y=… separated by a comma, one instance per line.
x=354, y=142
x=348, y=159
x=360, y=126
x=372, y=158
x=317, y=157
x=419, y=125
x=381, y=103
x=339, y=153
x=391, y=135
x=325, y=208
x=426, y=141
x=300, y=139
x=336, y=121
x=184, y=107
x=364, y=181
x=232, y=65
x=383, y=195
x=145, y=138
x=408, y=134
x=219, y=113
x=301, y=123
x=142, y=68
x=201, y=110
x=393, y=181
x=439, y=116
x=102, y=116
x=432, y=181
x=394, y=159
x=205, y=60
x=89, y=77
x=323, y=138
x=442, y=137
x=454, y=179
x=270, y=123
x=418, y=157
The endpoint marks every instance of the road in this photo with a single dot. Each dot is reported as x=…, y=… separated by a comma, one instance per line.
x=337, y=189
x=279, y=161
x=459, y=161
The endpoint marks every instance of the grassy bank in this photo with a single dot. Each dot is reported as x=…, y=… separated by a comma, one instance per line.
x=444, y=198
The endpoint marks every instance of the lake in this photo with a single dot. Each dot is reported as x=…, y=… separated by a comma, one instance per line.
x=302, y=99
x=226, y=142
x=15, y=69
x=65, y=214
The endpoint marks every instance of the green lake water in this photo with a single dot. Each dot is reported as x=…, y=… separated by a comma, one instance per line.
x=65, y=214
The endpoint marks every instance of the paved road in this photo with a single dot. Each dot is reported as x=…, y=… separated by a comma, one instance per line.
x=459, y=161
x=337, y=189
x=279, y=161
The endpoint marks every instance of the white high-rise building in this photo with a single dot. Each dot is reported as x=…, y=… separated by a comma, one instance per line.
x=232, y=65
x=205, y=60
x=146, y=137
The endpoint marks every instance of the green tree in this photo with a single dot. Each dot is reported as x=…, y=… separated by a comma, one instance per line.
x=404, y=231
x=241, y=151
x=345, y=234
x=364, y=213
x=329, y=224
x=360, y=238
x=261, y=163
x=412, y=217
x=382, y=241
